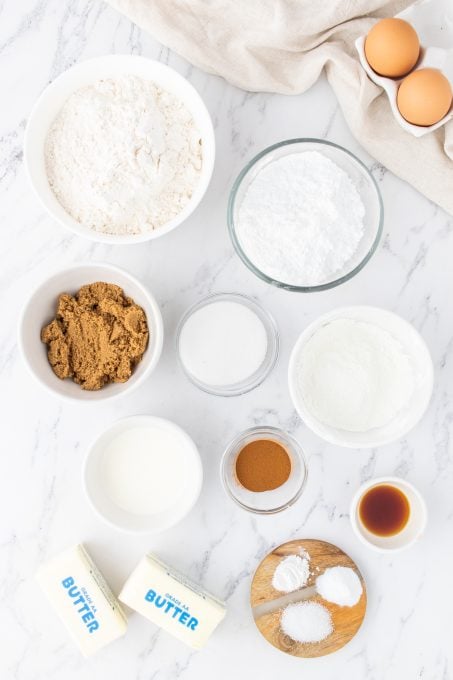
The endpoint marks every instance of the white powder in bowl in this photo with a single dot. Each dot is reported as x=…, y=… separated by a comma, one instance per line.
x=354, y=376
x=301, y=219
x=340, y=585
x=291, y=573
x=222, y=343
x=306, y=622
x=123, y=156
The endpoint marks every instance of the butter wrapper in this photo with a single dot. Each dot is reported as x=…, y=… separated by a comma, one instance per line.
x=172, y=602
x=82, y=599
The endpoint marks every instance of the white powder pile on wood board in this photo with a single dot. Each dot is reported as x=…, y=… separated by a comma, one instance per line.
x=301, y=219
x=291, y=573
x=306, y=622
x=340, y=585
x=354, y=376
x=123, y=155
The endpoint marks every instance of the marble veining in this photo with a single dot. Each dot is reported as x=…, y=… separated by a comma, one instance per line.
x=407, y=631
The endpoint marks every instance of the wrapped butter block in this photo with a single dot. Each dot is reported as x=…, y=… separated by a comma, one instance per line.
x=172, y=602
x=82, y=599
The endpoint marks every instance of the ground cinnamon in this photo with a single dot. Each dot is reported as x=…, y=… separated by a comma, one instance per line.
x=263, y=465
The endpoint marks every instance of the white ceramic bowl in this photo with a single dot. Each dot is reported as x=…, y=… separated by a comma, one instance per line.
x=85, y=73
x=126, y=521
x=411, y=532
x=422, y=366
x=41, y=308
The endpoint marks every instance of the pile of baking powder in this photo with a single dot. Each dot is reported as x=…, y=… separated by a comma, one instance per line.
x=301, y=219
x=123, y=156
x=340, y=585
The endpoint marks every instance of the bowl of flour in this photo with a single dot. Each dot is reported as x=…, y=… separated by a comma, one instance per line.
x=360, y=376
x=305, y=215
x=120, y=149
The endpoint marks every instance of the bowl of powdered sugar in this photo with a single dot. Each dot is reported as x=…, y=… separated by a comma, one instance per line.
x=360, y=376
x=120, y=149
x=305, y=215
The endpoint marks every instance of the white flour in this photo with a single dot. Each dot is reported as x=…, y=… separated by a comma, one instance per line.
x=123, y=156
x=354, y=375
x=301, y=219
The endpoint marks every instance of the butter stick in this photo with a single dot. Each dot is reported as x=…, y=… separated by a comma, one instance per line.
x=82, y=599
x=172, y=602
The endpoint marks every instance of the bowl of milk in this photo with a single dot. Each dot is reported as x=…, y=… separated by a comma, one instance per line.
x=143, y=474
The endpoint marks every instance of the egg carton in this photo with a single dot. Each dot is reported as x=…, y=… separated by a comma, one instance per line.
x=433, y=21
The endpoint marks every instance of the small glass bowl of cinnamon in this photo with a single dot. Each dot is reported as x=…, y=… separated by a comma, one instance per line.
x=264, y=470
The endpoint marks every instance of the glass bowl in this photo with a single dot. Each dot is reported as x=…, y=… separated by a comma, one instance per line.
x=264, y=502
x=359, y=174
x=269, y=361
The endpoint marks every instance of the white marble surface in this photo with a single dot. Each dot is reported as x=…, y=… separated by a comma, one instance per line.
x=407, y=631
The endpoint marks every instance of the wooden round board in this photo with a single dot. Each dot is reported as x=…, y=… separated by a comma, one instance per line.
x=346, y=620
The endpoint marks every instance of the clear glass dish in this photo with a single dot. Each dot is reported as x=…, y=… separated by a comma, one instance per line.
x=359, y=174
x=270, y=358
x=264, y=502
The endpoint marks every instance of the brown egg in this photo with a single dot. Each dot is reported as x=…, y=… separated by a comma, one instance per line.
x=392, y=48
x=424, y=97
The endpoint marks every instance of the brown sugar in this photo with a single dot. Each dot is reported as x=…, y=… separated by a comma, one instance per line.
x=98, y=336
x=263, y=465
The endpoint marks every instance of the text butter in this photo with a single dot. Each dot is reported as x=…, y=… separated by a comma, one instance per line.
x=172, y=602
x=82, y=599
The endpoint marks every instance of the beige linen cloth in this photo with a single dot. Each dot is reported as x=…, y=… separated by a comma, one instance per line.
x=282, y=46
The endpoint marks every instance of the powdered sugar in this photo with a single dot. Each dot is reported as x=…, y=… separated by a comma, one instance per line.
x=301, y=219
x=123, y=155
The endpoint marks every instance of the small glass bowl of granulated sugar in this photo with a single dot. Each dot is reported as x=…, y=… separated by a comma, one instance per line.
x=227, y=344
x=305, y=215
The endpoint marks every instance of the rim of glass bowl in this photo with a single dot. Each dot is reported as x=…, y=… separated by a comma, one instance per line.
x=280, y=284
x=261, y=373
x=266, y=431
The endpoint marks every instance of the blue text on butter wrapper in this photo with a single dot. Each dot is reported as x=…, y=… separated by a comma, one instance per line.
x=181, y=615
x=85, y=612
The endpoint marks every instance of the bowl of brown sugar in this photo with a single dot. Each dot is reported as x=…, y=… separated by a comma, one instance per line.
x=264, y=470
x=91, y=332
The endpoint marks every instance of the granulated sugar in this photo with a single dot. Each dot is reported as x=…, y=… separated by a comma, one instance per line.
x=306, y=622
x=301, y=219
